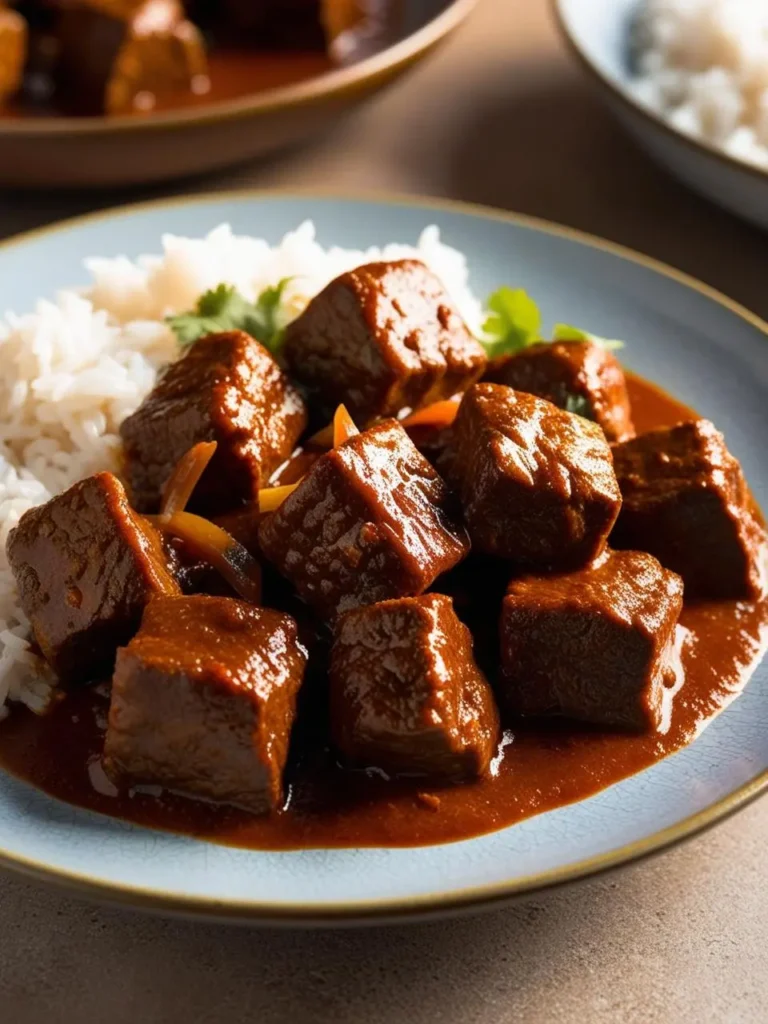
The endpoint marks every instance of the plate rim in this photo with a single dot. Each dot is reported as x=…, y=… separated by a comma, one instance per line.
x=358, y=78
x=632, y=105
x=435, y=903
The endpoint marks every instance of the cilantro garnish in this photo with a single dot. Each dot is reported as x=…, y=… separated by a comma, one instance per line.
x=566, y=332
x=224, y=309
x=513, y=322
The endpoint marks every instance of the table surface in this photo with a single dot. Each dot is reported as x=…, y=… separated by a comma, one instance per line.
x=501, y=116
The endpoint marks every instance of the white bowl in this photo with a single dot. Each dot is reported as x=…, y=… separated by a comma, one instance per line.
x=598, y=33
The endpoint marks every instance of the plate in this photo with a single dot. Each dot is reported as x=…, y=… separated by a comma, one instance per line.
x=44, y=152
x=598, y=32
x=702, y=347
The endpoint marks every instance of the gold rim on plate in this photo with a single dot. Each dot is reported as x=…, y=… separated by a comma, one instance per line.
x=633, y=105
x=362, y=911
x=357, y=78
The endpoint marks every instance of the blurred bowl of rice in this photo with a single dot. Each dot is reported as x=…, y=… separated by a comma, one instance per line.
x=689, y=80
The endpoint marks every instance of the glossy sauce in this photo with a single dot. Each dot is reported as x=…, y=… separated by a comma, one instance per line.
x=538, y=767
x=233, y=74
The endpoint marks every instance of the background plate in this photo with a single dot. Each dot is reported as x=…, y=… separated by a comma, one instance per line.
x=66, y=152
x=698, y=345
x=598, y=32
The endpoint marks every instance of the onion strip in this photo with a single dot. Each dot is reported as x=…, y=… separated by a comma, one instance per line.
x=271, y=498
x=322, y=439
x=185, y=477
x=217, y=547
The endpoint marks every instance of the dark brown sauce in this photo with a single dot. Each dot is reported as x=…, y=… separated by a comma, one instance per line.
x=233, y=75
x=538, y=769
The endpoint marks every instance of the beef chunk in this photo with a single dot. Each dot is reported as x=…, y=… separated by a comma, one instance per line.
x=371, y=520
x=536, y=483
x=597, y=645
x=227, y=388
x=686, y=501
x=116, y=56
x=380, y=339
x=203, y=701
x=406, y=694
x=579, y=376
x=86, y=565
x=13, y=51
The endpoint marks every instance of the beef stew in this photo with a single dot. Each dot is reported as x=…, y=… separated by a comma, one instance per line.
x=372, y=648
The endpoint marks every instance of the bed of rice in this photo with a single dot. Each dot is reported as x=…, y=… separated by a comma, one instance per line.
x=72, y=370
x=703, y=64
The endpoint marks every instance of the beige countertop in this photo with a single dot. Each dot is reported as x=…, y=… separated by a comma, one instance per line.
x=501, y=116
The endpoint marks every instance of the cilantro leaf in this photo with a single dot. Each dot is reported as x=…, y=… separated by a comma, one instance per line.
x=224, y=309
x=513, y=322
x=566, y=332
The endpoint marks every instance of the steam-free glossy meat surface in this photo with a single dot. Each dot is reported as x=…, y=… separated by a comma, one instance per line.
x=203, y=701
x=537, y=484
x=686, y=501
x=111, y=57
x=406, y=695
x=597, y=645
x=228, y=389
x=541, y=766
x=86, y=566
x=579, y=376
x=372, y=520
x=382, y=338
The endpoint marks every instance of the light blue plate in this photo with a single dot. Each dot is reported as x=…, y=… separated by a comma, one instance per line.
x=700, y=346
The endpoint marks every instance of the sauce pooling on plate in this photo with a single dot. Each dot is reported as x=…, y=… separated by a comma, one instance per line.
x=133, y=57
x=538, y=765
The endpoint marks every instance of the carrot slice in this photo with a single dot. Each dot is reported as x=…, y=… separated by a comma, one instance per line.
x=185, y=477
x=337, y=432
x=343, y=426
x=217, y=547
x=271, y=498
x=440, y=414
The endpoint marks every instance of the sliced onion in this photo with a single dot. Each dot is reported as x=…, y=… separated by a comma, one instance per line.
x=343, y=426
x=186, y=477
x=439, y=414
x=271, y=498
x=217, y=547
x=323, y=438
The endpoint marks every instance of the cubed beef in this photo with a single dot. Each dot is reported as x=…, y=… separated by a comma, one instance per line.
x=536, y=483
x=229, y=389
x=597, y=645
x=578, y=376
x=406, y=694
x=380, y=339
x=13, y=51
x=203, y=701
x=686, y=501
x=116, y=55
x=86, y=565
x=371, y=520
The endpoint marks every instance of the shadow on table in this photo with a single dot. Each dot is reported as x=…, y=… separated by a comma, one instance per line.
x=119, y=965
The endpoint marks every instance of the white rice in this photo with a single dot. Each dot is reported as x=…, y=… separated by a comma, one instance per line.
x=75, y=368
x=703, y=64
